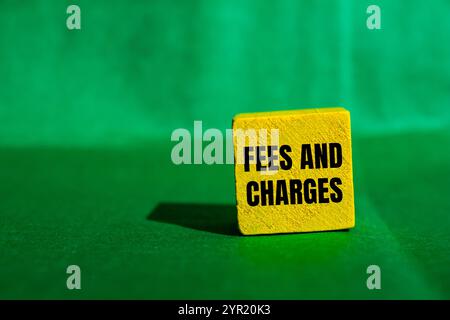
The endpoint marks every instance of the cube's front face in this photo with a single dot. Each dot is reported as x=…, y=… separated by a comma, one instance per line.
x=293, y=171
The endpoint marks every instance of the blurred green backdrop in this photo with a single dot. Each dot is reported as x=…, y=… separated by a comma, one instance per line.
x=85, y=124
x=138, y=70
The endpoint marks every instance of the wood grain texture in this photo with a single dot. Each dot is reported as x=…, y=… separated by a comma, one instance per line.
x=313, y=126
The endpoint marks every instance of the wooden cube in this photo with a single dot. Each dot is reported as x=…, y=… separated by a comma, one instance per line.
x=293, y=171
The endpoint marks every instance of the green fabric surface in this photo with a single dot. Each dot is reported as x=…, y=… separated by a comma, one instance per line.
x=85, y=169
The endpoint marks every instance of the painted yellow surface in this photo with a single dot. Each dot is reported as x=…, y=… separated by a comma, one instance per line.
x=315, y=192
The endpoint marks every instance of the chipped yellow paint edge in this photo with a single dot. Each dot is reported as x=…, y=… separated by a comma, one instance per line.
x=353, y=222
x=235, y=178
x=286, y=113
x=351, y=169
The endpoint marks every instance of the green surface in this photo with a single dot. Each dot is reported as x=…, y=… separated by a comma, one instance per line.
x=85, y=123
x=137, y=234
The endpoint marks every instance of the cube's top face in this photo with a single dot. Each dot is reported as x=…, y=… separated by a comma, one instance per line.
x=293, y=171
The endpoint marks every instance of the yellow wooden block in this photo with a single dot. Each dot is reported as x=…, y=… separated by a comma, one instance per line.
x=293, y=171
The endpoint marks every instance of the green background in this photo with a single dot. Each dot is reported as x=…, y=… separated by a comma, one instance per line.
x=85, y=123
